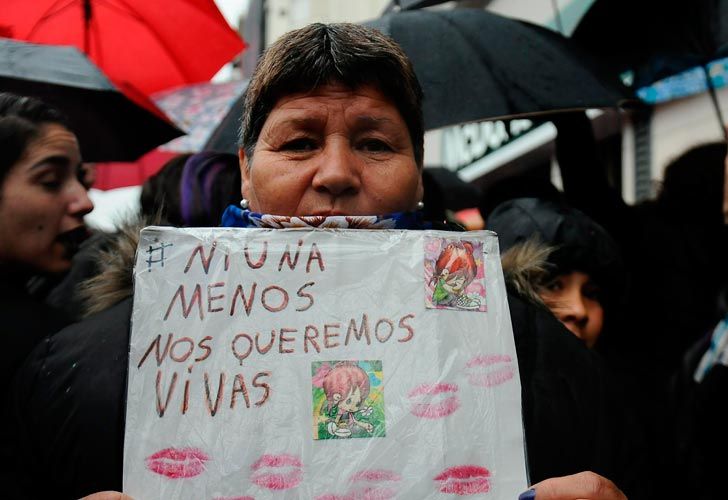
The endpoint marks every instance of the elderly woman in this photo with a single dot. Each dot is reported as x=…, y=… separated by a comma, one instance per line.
x=332, y=126
x=42, y=204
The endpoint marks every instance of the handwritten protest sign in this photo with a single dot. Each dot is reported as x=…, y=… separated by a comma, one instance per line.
x=328, y=364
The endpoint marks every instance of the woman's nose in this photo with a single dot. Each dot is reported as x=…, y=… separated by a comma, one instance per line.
x=574, y=313
x=338, y=171
x=80, y=204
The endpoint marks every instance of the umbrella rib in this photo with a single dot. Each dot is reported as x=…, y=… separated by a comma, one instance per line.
x=50, y=12
x=130, y=12
x=96, y=33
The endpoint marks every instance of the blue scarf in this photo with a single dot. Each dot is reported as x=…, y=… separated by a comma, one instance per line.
x=235, y=216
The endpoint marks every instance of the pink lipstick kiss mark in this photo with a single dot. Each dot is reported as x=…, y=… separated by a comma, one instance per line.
x=371, y=484
x=177, y=463
x=434, y=401
x=368, y=493
x=375, y=475
x=464, y=480
x=490, y=370
x=277, y=472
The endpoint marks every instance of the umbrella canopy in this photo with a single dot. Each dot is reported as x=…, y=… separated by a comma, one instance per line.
x=110, y=126
x=657, y=38
x=207, y=111
x=474, y=65
x=225, y=138
x=153, y=45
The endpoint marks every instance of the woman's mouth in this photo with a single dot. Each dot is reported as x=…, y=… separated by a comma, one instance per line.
x=490, y=370
x=277, y=472
x=71, y=240
x=177, y=463
x=434, y=401
x=464, y=480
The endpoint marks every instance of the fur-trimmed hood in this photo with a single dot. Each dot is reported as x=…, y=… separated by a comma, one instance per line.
x=115, y=281
x=524, y=266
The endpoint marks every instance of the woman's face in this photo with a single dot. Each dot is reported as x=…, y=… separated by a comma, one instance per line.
x=573, y=298
x=42, y=203
x=334, y=151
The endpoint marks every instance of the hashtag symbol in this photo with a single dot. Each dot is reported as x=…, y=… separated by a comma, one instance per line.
x=155, y=255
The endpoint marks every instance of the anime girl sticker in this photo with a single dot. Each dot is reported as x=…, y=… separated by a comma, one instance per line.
x=348, y=399
x=454, y=274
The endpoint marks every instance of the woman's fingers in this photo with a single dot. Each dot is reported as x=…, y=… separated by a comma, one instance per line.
x=583, y=486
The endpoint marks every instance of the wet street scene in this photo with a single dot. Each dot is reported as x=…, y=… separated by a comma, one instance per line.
x=393, y=249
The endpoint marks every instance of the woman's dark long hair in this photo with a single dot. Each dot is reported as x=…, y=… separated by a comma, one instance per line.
x=20, y=121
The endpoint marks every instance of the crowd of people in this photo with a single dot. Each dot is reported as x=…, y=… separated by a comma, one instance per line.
x=617, y=310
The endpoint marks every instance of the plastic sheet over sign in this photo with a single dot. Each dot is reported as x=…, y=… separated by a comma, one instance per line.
x=325, y=364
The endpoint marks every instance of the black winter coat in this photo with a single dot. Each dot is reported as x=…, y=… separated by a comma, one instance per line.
x=68, y=409
x=25, y=322
x=701, y=412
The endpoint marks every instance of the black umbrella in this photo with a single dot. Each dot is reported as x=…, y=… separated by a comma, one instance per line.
x=109, y=125
x=657, y=38
x=474, y=65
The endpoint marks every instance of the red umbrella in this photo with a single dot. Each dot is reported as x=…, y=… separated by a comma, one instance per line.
x=152, y=44
x=113, y=175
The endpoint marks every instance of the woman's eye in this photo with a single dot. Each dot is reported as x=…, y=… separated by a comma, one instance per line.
x=302, y=144
x=554, y=286
x=51, y=182
x=375, y=146
x=348, y=401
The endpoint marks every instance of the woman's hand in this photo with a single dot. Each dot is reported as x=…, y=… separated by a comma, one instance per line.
x=108, y=495
x=584, y=486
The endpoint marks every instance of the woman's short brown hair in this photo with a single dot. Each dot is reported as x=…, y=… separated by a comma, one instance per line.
x=318, y=54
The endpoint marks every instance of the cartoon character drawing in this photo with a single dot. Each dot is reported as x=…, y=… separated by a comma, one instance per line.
x=455, y=269
x=346, y=387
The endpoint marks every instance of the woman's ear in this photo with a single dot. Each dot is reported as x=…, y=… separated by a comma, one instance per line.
x=337, y=397
x=244, y=173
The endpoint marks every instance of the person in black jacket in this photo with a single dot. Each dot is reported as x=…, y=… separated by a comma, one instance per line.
x=697, y=399
x=42, y=204
x=332, y=125
x=673, y=247
x=583, y=276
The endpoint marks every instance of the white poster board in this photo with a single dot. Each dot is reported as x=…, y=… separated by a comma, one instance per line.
x=326, y=364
